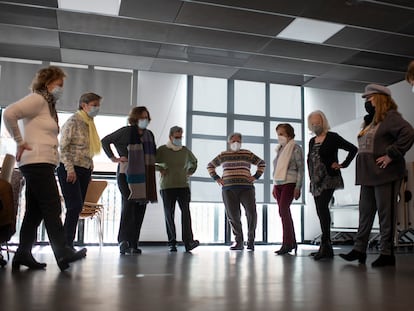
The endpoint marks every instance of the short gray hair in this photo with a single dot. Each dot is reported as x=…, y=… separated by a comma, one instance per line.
x=234, y=134
x=175, y=129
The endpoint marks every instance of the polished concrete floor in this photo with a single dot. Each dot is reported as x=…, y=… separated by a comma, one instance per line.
x=210, y=278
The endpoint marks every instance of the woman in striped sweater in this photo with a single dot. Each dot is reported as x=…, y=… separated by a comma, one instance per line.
x=237, y=187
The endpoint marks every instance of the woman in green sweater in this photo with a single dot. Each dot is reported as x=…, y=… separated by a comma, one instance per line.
x=176, y=163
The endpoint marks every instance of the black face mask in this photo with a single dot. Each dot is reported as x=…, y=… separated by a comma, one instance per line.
x=369, y=108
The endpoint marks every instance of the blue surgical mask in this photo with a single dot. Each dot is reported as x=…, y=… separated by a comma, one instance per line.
x=57, y=92
x=143, y=123
x=93, y=112
x=177, y=142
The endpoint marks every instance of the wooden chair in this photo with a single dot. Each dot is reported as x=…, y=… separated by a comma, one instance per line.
x=92, y=209
x=8, y=210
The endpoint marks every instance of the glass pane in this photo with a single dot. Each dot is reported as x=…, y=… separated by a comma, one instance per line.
x=249, y=98
x=257, y=149
x=210, y=94
x=296, y=126
x=209, y=125
x=274, y=225
x=205, y=191
x=285, y=101
x=206, y=150
x=208, y=222
x=249, y=128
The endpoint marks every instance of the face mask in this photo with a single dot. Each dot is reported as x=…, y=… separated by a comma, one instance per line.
x=317, y=129
x=369, y=107
x=177, y=142
x=57, y=92
x=143, y=123
x=235, y=146
x=412, y=90
x=93, y=112
x=282, y=140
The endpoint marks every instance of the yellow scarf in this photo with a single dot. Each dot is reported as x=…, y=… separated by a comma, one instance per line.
x=94, y=140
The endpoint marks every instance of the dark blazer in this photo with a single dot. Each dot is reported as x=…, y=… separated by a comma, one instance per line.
x=329, y=151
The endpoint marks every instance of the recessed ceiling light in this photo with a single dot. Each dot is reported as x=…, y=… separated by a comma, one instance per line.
x=107, y=7
x=309, y=30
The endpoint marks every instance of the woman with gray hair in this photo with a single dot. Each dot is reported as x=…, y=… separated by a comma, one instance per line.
x=176, y=163
x=237, y=187
x=325, y=173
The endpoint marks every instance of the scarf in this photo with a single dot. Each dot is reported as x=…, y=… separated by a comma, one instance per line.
x=140, y=173
x=94, y=140
x=283, y=159
x=50, y=101
x=170, y=145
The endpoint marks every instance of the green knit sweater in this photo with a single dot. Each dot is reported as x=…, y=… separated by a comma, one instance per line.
x=178, y=165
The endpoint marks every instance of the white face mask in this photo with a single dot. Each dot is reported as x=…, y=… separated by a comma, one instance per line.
x=412, y=90
x=235, y=146
x=177, y=142
x=57, y=92
x=93, y=112
x=143, y=123
x=282, y=140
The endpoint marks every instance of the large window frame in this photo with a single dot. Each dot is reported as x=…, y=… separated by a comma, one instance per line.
x=267, y=140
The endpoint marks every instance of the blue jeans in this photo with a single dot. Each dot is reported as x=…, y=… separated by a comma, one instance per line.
x=74, y=195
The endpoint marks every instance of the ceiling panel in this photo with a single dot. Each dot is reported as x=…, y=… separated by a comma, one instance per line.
x=171, y=66
x=379, y=61
x=284, y=65
x=356, y=38
x=27, y=16
x=112, y=26
x=28, y=36
x=30, y=52
x=230, y=19
x=301, y=50
x=332, y=84
x=266, y=76
x=162, y=10
x=106, y=59
x=107, y=44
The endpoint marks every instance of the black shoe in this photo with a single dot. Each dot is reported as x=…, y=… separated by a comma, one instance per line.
x=250, y=245
x=287, y=249
x=123, y=247
x=384, y=260
x=173, y=248
x=313, y=254
x=191, y=245
x=354, y=255
x=237, y=246
x=26, y=259
x=71, y=256
x=136, y=250
x=325, y=252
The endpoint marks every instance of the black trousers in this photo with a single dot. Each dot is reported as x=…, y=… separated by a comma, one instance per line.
x=74, y=195
x=170, y=197
x=322, y=209
x=42, y=203
x=132, y=215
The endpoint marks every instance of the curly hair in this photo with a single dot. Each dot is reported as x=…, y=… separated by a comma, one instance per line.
x=45, y=76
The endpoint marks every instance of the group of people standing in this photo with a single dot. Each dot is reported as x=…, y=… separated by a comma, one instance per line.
x=382, y=143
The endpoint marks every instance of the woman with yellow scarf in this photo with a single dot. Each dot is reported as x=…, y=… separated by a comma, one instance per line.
x=79, y=142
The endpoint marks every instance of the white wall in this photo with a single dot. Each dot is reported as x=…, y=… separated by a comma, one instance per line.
x=340, y=108
x=165, y=97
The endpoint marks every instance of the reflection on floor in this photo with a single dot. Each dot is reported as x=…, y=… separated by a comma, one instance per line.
x=211, y=278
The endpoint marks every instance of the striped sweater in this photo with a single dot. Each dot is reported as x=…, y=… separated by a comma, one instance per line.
x=236, y=168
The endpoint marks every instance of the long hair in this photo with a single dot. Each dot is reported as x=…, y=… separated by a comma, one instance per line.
x=290, y=131
x=383, y=104
x=45, y=76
